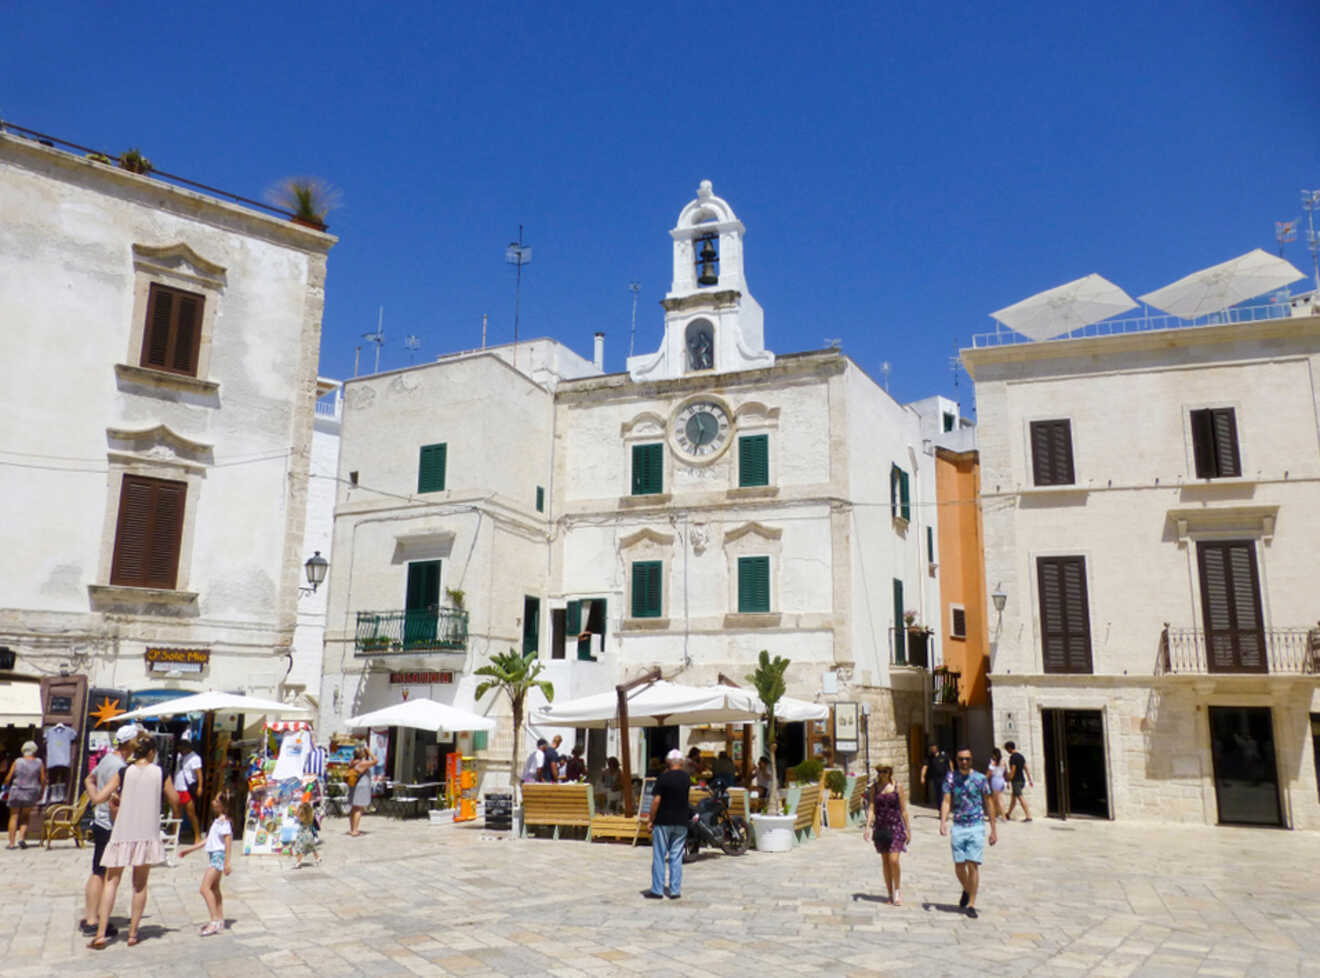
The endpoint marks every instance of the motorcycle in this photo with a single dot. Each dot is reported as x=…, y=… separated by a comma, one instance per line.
x=712, y=824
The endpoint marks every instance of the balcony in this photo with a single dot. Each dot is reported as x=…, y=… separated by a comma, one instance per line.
x=944, y=687
x=1270, y=651
x=400, y=632
x=909, y=647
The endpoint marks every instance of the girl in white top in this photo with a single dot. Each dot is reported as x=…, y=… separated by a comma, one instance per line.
x=219, y=844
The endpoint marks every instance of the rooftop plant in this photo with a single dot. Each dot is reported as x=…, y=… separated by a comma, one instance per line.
x=310, y=199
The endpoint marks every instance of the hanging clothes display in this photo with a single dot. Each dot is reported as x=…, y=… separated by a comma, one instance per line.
x=59, y=745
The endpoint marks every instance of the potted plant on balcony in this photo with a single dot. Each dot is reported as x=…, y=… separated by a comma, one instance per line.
x=516, y=676
x=457, y=597
x=309, y=199
x=133, y=161
x=773, y=832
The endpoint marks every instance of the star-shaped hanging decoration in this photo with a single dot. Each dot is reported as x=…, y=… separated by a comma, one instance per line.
x=106, y=710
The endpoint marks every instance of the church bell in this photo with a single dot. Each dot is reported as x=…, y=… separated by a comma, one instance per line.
x=708, y=260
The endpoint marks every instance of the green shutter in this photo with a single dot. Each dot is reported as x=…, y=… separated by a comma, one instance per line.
x=753, y=584
x=573, y=619
x=905, y=505
x=540, y=500
x=754, y=460
x=648, y=470
x=431, y=468
x=479, y=739
x=930, y=544
x=531, y=626
x=900, y=632
x=646, y=596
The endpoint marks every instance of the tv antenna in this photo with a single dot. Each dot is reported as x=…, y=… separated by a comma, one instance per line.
x=884, y=374
x=634, y=288
x=377, y=337
x=412, y=344
x=1311, y=203
x=955, y=365
x=518, y=254
x=834, y=342
x=1284, y=232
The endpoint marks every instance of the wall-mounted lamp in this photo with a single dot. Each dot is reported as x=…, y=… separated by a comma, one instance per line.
x=316, y=567
x=999, y=597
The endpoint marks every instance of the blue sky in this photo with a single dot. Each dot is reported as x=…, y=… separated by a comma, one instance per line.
x=902, y=169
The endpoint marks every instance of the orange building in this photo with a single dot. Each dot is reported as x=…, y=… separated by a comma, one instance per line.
x=961, y=689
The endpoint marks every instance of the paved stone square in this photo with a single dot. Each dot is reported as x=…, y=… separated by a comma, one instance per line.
x=409, y=898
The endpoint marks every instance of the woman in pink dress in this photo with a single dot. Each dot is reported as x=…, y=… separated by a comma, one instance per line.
x=889, y=828
x=135, y=839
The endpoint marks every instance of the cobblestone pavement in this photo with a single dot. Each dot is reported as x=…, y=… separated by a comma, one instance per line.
x=409, y=898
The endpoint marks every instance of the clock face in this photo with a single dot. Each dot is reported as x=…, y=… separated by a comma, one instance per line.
x=701, y=429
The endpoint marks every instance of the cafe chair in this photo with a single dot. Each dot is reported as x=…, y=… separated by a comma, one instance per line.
x=64, y=822
x=169, y=836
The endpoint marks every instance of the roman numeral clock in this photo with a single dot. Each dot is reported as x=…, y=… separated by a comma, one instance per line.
x=701, y=430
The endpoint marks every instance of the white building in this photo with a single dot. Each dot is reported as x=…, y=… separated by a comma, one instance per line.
x=159, y=376
x=713, y=501
x=1150, y=518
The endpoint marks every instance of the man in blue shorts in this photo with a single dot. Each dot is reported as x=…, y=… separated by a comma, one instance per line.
x=967, y=797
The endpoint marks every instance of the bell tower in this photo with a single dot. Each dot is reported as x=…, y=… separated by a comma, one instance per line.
x=712, y=323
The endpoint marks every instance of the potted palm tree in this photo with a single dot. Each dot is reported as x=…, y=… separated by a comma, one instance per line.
x=309, y=199
x=772, y=830
x=836, y=808
x=515, y=676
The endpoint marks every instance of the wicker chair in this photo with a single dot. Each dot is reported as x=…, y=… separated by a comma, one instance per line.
x=64, y=822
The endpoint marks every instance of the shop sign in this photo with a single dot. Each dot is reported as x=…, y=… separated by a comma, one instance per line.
x=421, y=678
x=845, y=726
x=181, y=660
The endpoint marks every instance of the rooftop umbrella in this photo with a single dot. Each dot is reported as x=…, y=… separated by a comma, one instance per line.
x=1065, y=308
x=423, y=714
x=210, y=702
x=1223, y=285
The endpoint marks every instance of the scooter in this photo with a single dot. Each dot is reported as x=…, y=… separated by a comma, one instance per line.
x=712, y=825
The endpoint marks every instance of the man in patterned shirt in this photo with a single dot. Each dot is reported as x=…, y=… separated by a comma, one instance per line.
x=967, y=796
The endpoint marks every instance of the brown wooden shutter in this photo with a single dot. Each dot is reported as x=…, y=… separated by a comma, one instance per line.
x=1065, y=619
x=160, y=312
x=173, y=332
x=148, y=533
x=187, y=330
x=1230, y=605
x=1051, y=453
x=1215, y=443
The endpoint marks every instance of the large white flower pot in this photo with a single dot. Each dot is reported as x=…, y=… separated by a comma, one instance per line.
x=773, y=833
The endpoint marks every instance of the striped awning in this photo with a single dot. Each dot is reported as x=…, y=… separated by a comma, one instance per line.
x=20, y=703
x=288, y=726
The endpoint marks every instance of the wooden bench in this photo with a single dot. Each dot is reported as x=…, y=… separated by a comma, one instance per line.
x=558, y=805
x=619, y=827
x=808, y=811
x=857, y=799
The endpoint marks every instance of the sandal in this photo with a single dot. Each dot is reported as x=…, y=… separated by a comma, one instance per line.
x=211, y=929
x=132, y=939
x=97, y=943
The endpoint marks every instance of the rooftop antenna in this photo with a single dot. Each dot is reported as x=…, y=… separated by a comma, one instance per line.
x=377, y=337
x=634, y=288
x=1284, y=232
x=955, y=365
x=884, y=373
x=518, y=254
x=1311, y=202
x=834, y=342
x=412, y=344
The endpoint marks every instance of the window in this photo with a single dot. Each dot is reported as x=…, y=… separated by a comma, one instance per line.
x=1065, y=618
x=540, y=499
x=930, y=544
x=148, y=533
x=754, y=460
x=531, y=626
x=900, y=505
x=753, y=585
x=1051, y=453
x=646, y=589
x=949, y=421
x=1230, y=606
x=1215, y=443
x=648, y=469
x=173, y=332
x=558, y=628
x=900, y=633
x=421, y=604
x=431, y=468
x=582, y=619
x=957, y=621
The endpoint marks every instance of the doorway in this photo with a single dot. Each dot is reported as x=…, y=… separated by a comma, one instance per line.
x=1075, y=770
x=659, y=742
x=1246, y=774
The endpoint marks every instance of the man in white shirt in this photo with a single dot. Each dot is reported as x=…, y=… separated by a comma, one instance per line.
x=535, y=761
x=106, y=771
x=188, y=783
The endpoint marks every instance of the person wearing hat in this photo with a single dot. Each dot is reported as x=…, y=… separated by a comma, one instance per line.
x=188, y=783
x=103, y=822
x=667, y=821
x=26, y=781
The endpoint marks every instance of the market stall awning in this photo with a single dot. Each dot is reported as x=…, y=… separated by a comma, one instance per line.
x=214, y=701
x=655, y=705
x=20, y=704
x=423, y=714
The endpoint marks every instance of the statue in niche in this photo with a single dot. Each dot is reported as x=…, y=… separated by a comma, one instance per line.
x=701, y=350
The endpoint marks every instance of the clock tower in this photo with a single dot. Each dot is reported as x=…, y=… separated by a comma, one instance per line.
x=712, y=323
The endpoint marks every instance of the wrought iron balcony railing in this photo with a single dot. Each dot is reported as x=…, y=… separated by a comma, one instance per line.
x=396, y=632
x=944, y=690
x=1273, y=651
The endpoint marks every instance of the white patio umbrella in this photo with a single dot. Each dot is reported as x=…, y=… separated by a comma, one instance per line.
x=1065, y=308
x=790, y=710
x=655, y=705
x=423, y=714
x=1223, y=285
x=213, y=701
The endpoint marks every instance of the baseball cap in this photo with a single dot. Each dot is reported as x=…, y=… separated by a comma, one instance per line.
x=674, y=755
x=126, y=733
